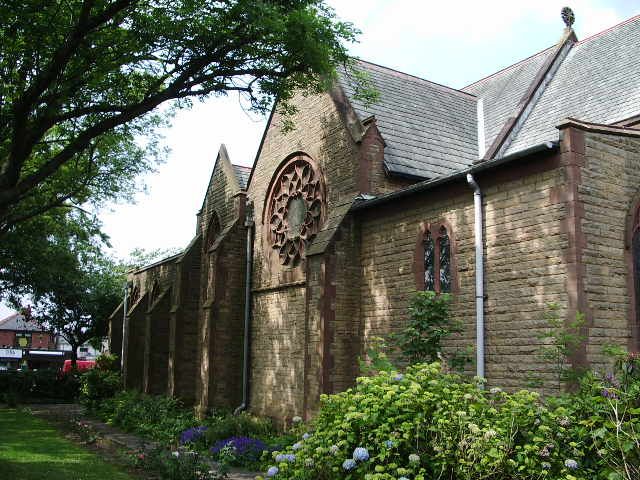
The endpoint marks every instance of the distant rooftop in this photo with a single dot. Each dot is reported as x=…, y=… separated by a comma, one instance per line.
x=242, y=174
x=17, y=322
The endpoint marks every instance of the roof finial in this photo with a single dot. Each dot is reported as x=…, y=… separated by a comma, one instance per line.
x=567, y=16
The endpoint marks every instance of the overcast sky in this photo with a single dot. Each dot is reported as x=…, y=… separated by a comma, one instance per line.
x=452, y=43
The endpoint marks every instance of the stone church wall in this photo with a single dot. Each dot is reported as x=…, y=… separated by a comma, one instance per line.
x=609, y=191
x=524, y=263
x=279, y=298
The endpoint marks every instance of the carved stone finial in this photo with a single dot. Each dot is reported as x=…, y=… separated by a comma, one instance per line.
x=568, y=16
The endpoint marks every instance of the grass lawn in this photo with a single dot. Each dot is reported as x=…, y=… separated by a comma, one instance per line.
x=32, y=449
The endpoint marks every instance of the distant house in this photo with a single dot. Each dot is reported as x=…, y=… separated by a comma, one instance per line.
x=26, y=344
x=85, y=351
x=17, y=332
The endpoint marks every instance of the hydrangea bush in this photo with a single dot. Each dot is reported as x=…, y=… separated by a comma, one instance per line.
x=431, y=425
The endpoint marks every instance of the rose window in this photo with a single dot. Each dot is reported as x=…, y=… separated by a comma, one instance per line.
x=295, y=210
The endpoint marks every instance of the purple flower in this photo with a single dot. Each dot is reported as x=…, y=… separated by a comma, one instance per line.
x=192, y=435
x=570, y=463
x=247, y=447
x=360, y=454
x=272, y=472
x=296, y=446
x=606, y=393
x=388, y=443
x=306, y=436
x=398, y=377
x=349, y=464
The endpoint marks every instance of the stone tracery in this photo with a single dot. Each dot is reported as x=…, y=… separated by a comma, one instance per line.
x=296, y=209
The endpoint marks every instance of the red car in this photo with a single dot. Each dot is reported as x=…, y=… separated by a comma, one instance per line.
x=80, y=365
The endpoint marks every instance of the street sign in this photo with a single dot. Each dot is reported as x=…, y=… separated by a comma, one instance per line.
x=10, y=353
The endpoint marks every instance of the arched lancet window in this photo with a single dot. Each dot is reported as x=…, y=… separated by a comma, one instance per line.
x=213, y=230
x=433, y=259
x=155, y=292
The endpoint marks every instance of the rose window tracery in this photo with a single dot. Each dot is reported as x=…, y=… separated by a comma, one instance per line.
x=296, y=209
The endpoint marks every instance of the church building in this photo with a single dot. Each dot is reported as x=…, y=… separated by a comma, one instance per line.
x=517, y=191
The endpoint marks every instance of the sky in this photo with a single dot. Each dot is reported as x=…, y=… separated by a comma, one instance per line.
x=453, y=43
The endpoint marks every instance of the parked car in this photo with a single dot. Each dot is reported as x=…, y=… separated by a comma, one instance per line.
x=80, y=365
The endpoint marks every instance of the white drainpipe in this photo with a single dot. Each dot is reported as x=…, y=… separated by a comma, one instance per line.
x=479, y=243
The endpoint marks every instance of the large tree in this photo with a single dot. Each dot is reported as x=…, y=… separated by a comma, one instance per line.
x=77, y=300
x=81, y=80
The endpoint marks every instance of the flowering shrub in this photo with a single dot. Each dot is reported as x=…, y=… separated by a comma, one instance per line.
x=157, y=417
x=245, y=449
x=429, y=424
x=192, y=435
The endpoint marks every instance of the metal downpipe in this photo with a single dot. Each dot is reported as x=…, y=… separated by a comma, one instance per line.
x=479, y=249
x=249, y=224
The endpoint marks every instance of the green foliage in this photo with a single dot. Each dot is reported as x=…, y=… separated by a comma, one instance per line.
x=222, y=425
x=159, y=418
x=429, y=324
x=176, y=465
x=107, y=362
x=80, y=83
x=378, y=359
x=38, y=386
x=428, y=424
x=561, y=340
x=97, y=385
x=78, y=305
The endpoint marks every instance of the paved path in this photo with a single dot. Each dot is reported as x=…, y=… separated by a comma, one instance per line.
x=111, y=435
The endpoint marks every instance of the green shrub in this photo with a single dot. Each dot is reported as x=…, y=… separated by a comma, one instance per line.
x=107, y=362
x=98, y=385
x=157, y=417
x=175, y=465
x=224, y=425
x=427, y=424
x=46, y=385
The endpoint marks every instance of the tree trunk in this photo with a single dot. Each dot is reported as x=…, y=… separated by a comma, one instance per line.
x=74, y=356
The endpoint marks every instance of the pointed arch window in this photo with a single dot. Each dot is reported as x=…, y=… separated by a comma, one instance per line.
x=433, y=259
x=213, y=230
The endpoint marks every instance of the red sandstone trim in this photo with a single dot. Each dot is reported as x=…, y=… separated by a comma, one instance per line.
x=572, y=159
x=590, y=127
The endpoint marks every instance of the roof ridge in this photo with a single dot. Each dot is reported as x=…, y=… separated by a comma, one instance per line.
x=415, y=77
x=595, y=35
x=510, y=66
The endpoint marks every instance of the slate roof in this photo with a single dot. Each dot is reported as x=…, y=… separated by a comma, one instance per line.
x=502, y=91
x=429, y=129
x=17, y=322
x=242, y=174
x=599, y=82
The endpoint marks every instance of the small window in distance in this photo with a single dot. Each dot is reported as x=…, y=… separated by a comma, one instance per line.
x=84, y=349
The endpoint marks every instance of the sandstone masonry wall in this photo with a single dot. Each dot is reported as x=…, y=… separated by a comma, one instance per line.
x=610, y=188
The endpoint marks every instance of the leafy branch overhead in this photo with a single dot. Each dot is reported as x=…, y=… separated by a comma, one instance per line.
x=81, y=80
